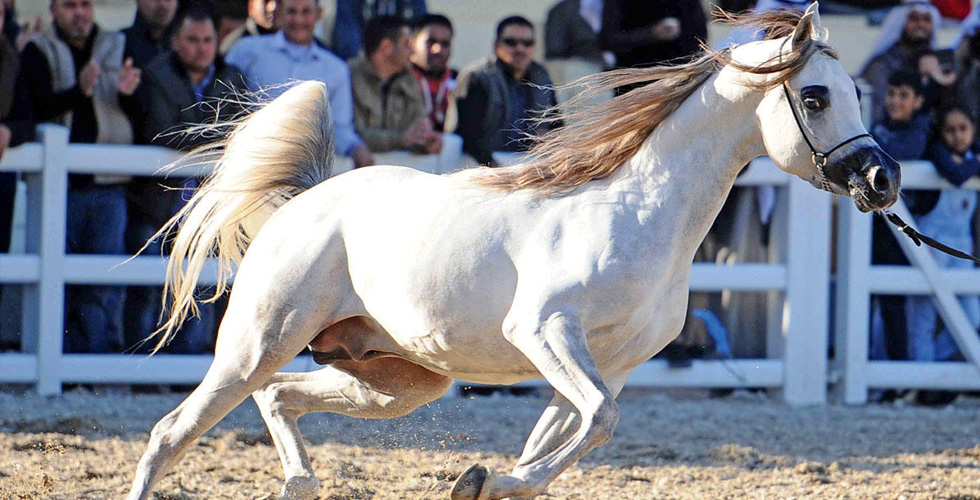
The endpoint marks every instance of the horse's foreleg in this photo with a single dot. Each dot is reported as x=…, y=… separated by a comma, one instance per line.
x=559, y=350
x=380, y=388
x=557, y=424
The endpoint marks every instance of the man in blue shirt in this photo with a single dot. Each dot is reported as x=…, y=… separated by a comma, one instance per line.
x=273, y=61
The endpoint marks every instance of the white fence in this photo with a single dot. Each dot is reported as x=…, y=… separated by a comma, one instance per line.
x=798, y=281
x=858, y=279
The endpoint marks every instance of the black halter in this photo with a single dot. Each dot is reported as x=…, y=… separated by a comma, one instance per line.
x=819, y=159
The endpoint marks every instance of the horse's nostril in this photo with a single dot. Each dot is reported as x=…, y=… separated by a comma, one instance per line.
x=878, y=178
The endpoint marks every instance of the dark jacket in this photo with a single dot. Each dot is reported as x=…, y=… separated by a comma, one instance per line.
x=904, y=141
x=15, y=102
x=967, y=86
x=15, y=113
x=483, y=102
x=567, y=35
x=140, y=44
x=627, y=30
x=169, y=106
x=168, y=102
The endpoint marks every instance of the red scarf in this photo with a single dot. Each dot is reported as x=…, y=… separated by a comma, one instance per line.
x=436, y=93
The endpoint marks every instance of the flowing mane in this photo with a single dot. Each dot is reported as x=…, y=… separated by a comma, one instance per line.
x=596, y=139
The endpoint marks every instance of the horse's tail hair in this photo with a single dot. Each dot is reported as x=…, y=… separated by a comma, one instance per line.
x=271, y=155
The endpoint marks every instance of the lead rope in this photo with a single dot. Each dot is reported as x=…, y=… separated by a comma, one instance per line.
x=919, y=238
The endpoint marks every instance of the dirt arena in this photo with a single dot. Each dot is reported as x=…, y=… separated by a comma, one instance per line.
x=667, y=446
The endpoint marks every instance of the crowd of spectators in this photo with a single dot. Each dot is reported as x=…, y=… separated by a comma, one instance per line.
x=188, y=63
x=924, y=103
x=386, y=67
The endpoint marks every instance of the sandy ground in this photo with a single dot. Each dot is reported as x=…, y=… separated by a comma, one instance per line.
x=678, y=446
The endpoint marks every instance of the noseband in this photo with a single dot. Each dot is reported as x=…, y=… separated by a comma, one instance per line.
x=819, y=159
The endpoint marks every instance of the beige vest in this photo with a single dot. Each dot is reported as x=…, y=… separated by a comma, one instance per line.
x=107, y=52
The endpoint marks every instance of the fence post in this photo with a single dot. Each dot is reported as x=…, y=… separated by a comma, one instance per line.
x=853, y=302
x=807, y=295
x=51, y=250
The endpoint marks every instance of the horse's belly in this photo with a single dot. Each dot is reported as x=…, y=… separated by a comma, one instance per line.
x=470, y=353
x=483, y=355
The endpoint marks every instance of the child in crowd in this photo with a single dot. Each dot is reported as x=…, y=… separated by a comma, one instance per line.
x=903, y=134
x=956, y=156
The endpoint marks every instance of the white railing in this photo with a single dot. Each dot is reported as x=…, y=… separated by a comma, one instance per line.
x=799, y=274
x=858, y=279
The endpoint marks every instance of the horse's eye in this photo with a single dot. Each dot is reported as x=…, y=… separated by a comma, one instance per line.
x=814, y=104
x=815, y=97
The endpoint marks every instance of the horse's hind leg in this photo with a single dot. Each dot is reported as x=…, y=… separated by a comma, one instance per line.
x=244, y=360
x=379, y=388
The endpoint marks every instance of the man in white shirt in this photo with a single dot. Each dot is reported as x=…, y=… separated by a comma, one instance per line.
x=271, y=61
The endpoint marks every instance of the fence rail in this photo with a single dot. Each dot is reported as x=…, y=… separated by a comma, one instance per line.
x=799, y=277
x=858, y=280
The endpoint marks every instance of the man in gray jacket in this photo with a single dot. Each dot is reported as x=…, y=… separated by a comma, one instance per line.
x=188, y=86
x=498, y=98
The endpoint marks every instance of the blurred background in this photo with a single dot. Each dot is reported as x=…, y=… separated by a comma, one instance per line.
x=475, y=21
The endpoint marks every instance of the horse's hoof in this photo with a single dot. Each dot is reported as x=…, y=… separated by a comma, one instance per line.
x=300, y=488
x=471, y=484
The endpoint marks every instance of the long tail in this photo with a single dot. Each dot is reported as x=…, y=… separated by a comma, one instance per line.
x=270, y=156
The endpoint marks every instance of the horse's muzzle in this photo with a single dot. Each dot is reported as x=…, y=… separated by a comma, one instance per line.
x=874, y=178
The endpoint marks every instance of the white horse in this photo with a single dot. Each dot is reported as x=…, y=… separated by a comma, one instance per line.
x=572, y=267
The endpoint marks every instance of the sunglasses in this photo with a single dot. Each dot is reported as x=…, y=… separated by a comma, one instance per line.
x=514, y=42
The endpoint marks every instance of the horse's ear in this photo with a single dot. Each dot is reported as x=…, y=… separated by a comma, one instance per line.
x=810, y=26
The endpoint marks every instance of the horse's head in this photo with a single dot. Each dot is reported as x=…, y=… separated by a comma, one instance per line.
x=811, y=123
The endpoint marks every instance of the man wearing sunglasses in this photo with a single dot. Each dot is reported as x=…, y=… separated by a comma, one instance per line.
x=499, y=98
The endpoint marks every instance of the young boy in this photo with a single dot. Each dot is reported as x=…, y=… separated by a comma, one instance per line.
x=903, y=134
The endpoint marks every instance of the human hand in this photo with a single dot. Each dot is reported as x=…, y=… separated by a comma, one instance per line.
x=945, y=78
x=432, y=142
x=129, y=77
x=362, y=156
x=88, y=78
x=5, y=135
x=27, y=31
x=414, y=135
x=667, y=29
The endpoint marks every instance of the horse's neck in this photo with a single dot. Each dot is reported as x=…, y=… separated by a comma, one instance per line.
x=687, y=167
